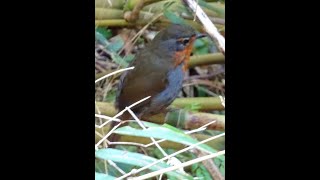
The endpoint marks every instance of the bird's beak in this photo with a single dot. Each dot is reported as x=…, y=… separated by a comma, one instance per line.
x=199, y=35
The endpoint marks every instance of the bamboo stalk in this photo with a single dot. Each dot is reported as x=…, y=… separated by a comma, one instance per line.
x=118, y=4
x=181, y=118
x=207, y=59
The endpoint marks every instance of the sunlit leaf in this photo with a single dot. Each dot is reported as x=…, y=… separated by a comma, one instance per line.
x=164, y=132
x=136, y=159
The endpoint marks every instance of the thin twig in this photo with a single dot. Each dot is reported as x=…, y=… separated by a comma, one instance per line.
x=134, y=14
x=207, y=23
x=107, y=117
x=100, y=135
x=172, y=168
x=98, y=110
x=116, y=167
x=136, y=37
x=169, y=156
x=115, y=72
x=211, y=167
x=143, y=127
x=109, y=133
x=207, y=91
x=202, y=128
x=121, y=112
x=101, y=69
x=100, y=119
x=127, y=143
x=213, y=19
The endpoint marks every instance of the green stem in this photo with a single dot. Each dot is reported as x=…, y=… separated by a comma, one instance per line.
x=113, y=22
x=205, y=103
x=108, y=13
x=215, y=58
x=181, y=118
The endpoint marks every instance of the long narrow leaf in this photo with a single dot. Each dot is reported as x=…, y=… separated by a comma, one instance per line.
x=136, y=159
x=164, y=132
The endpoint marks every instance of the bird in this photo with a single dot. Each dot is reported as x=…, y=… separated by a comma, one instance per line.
x=158, y=72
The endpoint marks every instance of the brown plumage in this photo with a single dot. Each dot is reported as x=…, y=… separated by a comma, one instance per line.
x=159, y=72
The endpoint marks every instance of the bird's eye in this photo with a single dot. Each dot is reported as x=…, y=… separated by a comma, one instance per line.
x=182, y=43
x=185, y=41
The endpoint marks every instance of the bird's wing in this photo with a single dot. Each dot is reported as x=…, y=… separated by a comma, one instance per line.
x=144, y=80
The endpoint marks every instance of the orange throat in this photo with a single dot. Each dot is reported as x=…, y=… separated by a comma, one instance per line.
x=184, y=55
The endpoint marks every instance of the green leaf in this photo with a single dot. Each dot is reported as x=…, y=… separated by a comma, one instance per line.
x=173, y=17
x=99, y=166
x=101, y=39
x=199, y=173
x=129, y=5
x=101, y=176
x=198, y=43
x=129, y=58
x=126, y=167
x=137, y=160
x=220, y=164
x=105, y=32
x=201, y=51
x=168, y=4
x=116, y=45
x=172, y=178
x=201, y=91
x=212, y=132
x=201, y=46
x=157, y=153
x=205, y=172
x=164, y=132
x=119, y=60
x=111, y=96
x=128, y=148
x=216, y=7
x=222, y=170
x=217, y=162
x=194, y=167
